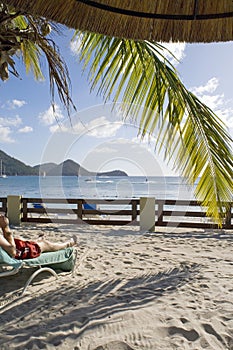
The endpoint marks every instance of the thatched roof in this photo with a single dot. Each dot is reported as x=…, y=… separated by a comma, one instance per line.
x=159, y=20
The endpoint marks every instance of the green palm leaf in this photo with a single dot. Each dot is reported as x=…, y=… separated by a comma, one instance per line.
x=29, y=36
x=140, y=75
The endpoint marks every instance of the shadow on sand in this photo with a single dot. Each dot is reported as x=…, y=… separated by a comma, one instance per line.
x=73, y=307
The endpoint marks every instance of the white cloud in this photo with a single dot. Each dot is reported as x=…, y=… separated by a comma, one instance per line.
x=209, y=87
x=213, y=101
x=6, y=125
x=216, y=102
x=51, y=116
x=101, y=127
x=226, y=115
x=25, y=129
x=60, y=128
x=147, y=141
x=13, y=104
x=5, y=135
x=56, y=128
x=120, y=144
x=75, y=45
x=10, y=121
x=18, y=103
x=98, y=127
x=177, y=49
x=105, y=150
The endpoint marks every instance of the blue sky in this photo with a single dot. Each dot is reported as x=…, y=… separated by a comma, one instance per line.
x=100, y=141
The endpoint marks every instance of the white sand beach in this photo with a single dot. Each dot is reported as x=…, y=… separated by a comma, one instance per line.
x=172, y=289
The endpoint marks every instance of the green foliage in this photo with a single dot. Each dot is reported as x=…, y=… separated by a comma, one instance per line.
x=139, y=74
x=13, y=166
x=28, y=36
x=193, y=136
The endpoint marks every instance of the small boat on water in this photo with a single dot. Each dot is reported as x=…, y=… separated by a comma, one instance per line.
x=2, y=174
x=89, y=180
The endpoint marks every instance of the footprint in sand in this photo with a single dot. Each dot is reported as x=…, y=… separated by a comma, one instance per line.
x=209, y=329
x=118, y=273
x=191, y=335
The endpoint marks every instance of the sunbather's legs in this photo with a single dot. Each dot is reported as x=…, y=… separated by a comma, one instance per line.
x=7, y=240
x=47, y=246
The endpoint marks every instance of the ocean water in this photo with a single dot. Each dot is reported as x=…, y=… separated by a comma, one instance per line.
x=95, y=187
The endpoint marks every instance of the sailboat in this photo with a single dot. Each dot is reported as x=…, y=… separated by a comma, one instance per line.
x=2, y=175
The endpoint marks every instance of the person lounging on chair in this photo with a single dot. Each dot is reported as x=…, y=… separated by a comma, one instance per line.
x=16, y=252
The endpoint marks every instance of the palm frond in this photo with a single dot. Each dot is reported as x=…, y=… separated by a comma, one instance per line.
x=29, y=35
x=140, y=74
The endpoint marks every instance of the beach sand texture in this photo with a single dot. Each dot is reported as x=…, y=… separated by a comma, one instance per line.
x=172, y=289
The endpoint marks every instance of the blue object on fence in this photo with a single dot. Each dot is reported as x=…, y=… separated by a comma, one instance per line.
x=38, y=206
x=89, y=206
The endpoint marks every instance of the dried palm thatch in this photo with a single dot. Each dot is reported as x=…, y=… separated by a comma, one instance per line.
x=157, y=20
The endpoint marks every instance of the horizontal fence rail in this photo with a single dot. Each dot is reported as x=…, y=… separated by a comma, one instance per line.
x=177, y=213
x=91, y=211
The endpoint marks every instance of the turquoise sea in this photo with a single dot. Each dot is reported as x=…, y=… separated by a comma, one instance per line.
x=95, y=187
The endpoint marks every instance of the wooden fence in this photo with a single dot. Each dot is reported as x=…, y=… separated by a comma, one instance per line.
x=177, y=213
x=3, y=205
x=91, y=211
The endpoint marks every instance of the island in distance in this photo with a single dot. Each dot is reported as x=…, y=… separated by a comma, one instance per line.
x=14, y=166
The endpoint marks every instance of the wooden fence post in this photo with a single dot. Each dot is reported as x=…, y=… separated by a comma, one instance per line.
x=160, y=213
x=14, y=210
x=25, y=212
x=147, y=214
x=80, y=209
x=134, y=210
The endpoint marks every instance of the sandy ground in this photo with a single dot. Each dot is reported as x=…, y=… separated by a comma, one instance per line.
x=172, y=289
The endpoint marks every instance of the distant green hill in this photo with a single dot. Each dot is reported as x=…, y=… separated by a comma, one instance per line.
x=12, y=166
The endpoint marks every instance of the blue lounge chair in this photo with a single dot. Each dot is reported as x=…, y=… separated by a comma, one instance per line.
x=88, y=206
x=63, y=260
x=92, y=206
